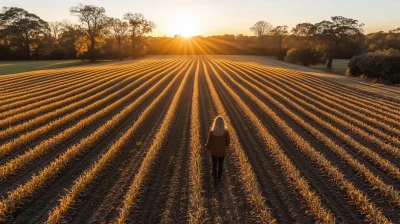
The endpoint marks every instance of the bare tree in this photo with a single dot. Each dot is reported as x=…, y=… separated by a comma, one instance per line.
x=138, y=26
x=119, y=29
x=55, y=28
x=94, y=21
x=65, y=24
x=261, y=29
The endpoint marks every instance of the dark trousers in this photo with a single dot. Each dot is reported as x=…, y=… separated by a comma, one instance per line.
x=217, y=164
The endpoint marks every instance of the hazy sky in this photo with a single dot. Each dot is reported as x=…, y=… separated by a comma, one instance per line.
x=223, y=16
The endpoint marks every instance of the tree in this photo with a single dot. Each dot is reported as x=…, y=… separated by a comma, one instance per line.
x=334, y=32
x=303, y=37
x=304, y=30
x=393, y=40
x=55, y=28
x=138, y=26
x=80, y=46
x=395, y=30
x=4, y=43
x=23, y=28
x=280, y=32
x=305, y=55
x=94, y=22
x=69, y=35
x=376, y=41
x=2, y=30
x=261, y=29
x=42, y=46
x=118, y=30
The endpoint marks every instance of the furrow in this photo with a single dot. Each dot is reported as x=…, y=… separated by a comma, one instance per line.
x=262, y=212
x=45, y=146
x=196, y=207
x=41, y=89
x=152, y=152
x=17, y=106
x=375, y=182
x=86, y=105
x=90, y=174
x=293, y=175
x=23, y=193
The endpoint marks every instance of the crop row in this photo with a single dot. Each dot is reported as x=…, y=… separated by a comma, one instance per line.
x=20, y=106
x=355, y=94
x=247, y=176
x=387, y=114
x=15, y=86
x=292, y=174
x=25, y=191
x=329, y=105
x=25, y=81
x=368, y=176
x=95, y=170
x=361, y=99
x=340, y=96
x=196, y=200
x=159, y=138
x=39, y=89
x=19, y=103
x=344, y=90
x=108, y=87
x=50, y=144
x=366, y=152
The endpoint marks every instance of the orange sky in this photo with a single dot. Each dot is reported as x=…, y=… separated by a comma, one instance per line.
x=223, y=16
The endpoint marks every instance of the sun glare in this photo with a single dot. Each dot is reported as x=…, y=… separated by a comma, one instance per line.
x=185, y=25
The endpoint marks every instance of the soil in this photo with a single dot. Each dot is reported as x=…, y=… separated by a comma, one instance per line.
x=164, y=193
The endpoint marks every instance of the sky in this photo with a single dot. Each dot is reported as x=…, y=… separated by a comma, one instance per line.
x=216, y=17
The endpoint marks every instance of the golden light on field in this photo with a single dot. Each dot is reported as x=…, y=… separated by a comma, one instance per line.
x=100, y=104
x=185, y=25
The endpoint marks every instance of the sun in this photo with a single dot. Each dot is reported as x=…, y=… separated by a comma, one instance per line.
x=185, y=25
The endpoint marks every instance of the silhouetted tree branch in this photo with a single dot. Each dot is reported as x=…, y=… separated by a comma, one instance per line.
x=138, y=26
x=118, y=29
x=55, y=28
x=261, y=29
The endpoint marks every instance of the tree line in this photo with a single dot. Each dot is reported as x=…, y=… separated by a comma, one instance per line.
x=24, y=35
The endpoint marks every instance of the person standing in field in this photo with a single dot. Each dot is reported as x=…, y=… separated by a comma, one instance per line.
x=217, y=142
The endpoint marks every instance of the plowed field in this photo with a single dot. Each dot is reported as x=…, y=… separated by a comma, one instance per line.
x=125, y=143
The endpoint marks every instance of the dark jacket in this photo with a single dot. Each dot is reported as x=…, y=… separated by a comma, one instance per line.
x=217, y=144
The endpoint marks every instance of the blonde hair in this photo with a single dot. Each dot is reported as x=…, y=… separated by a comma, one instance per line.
x=219, y=126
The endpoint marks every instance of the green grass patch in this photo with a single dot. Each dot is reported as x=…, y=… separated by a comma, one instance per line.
x=339, y=66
